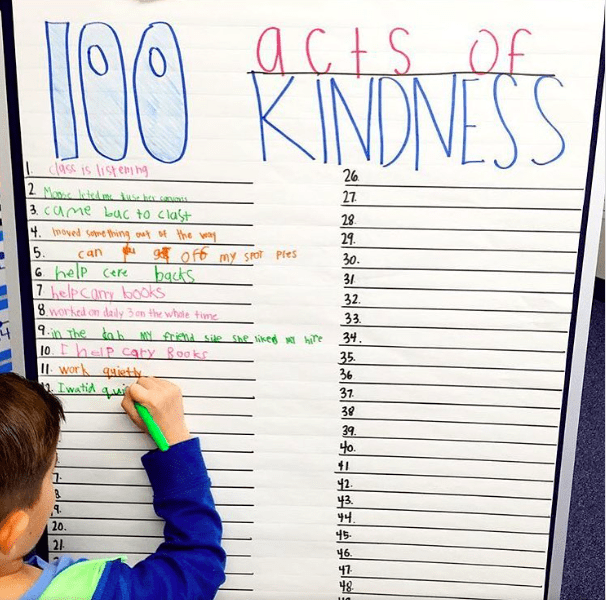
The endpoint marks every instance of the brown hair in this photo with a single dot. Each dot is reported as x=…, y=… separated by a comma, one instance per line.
x=30, y=421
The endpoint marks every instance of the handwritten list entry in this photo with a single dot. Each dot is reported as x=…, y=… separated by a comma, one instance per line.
x=349, y=232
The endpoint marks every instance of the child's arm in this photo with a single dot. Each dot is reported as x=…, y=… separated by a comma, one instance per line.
x=190, y=563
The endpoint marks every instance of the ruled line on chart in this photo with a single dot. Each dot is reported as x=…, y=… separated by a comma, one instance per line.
x=119, y=412
x=206, y=360
x=135, y=180
x=69, y=318
x=152, y=301
x=455, y=385
x=466, y=187
x=140, y=502
x=183, y=396
x=391, y=75
x=440, y=270
x=156, y=520
x=136, y=432
x=457, y=494
x=357, y=326
x=440, y=562
x=456, y=512
x=455, y=348
x=549, y=208
x=139, y=469
x=376, y=578
x=171, y=376
x=380, y=474
x=394, y=420
x=420, y=249
x=167, y=341
x=447, y=229
x=356, y=364
x=138, y=241
x=186, y=283
x=134, y=222
x=426, y=289
x=145, y=486
x=132, y=535
x=448, y=308
x=475, y=405
x=171, y=203
x=417, y=596
x=412, y=457
x=136, y=262
x=427, y=439
x=441, y=546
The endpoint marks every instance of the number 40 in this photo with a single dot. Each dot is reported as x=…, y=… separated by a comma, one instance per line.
x=158, y=88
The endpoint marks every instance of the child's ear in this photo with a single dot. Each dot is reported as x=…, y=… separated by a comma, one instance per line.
x=11, y=529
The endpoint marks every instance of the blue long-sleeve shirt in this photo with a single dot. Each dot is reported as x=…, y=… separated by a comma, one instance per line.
x=190, y=563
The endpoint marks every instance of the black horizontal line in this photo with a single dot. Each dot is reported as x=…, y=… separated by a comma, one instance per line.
x=156, y=301
x=522, y=462
x=136, y=432
x=348, y=268
x=137, y=241
x=206, y=451
x=446, y=494
x=142, y=503
x=441, y=546
x=188, y=283
x=455, y=348
x=155, y=341
x=451, y=422
x=550, y=208
x=456, y=385
x=417, y=596
x=351, y=326
x=111, y=552
x=414, y=248
x=481, y=310
x=89, y=468
x=348, y=473
x=465, y=187
x=440, y=562
x=378, y=437
x=167, y=376
x=396, y=75
x=356, y=364
x=456, y=512
x=190, y=322
x=118, y=535
x=208, y=360
x=424, y=289
x=169, y=202
x=117, y=412
x=515, y=406
x=440, y=229
x=134, y=262
x=441, y=581
x=127, y=222
x=184, y=396
x=134, y=180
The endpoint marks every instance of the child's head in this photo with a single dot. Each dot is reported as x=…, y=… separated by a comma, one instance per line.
x=30, y=420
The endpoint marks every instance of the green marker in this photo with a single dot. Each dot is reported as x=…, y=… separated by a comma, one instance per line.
x=152, y=427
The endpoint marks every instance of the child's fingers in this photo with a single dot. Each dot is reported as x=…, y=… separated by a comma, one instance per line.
x=131, y=411
x=139, y=392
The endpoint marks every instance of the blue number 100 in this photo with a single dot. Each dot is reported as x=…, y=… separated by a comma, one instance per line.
x=158, y=84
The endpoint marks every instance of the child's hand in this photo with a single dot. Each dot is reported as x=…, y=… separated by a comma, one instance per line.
x=165, y=404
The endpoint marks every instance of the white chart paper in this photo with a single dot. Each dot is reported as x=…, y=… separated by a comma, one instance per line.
x=349, y=231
